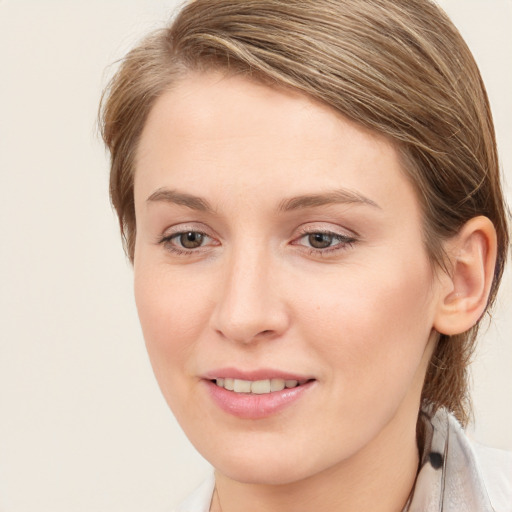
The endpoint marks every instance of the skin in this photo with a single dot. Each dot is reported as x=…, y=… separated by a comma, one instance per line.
x=357, y=316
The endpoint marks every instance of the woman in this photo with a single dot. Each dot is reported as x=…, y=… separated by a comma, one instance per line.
x=309, y=193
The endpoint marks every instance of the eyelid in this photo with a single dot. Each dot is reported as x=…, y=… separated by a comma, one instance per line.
x=184, y=227
x=346, y=238
x=327, y=228
x=172, y=232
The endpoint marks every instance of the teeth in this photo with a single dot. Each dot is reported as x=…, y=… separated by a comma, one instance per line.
x=260, y=387
x=257, y=387
x=277, y=384
x=242, y=386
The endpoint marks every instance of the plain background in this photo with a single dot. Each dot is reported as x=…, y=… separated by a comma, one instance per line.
x=83, y=426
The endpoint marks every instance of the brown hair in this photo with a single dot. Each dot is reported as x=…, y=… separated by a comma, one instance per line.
x=399, y=67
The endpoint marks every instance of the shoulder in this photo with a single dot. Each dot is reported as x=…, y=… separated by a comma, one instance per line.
x=489, y=467
x=199, y=500
x=458, y=474
x=496, y=470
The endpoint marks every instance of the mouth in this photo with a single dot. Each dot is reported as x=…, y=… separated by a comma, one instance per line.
x=257, y=387
x=258, y=393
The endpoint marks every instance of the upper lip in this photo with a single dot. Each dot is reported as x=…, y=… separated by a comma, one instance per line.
x=256, y=374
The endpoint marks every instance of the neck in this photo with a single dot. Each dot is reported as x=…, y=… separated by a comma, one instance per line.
x=379, y=478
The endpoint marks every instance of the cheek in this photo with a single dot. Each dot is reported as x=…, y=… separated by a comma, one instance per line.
x=371, y=324
x=172, y=316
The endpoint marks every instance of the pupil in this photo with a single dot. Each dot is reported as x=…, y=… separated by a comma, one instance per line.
x=320, y=240
x=191, y=240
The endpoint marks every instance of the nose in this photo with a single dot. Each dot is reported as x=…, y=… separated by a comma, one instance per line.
x=250, y=304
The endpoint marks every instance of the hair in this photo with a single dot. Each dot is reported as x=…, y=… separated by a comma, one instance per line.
x=397, y=67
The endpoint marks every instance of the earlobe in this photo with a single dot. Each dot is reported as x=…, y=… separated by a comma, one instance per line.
x=465, y=292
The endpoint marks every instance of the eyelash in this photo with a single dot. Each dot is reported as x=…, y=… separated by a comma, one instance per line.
x=344, y=242
x=166, y=241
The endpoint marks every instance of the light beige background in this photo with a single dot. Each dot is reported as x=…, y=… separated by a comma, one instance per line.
x=82, y=424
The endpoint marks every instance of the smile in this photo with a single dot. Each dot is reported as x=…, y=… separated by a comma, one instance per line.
x=259, y=398
x=257, y=387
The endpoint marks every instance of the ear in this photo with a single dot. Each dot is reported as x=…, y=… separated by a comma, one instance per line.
x=465, y=292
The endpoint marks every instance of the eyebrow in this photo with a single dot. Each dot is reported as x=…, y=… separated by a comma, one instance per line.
x=180, y=198
x=340, y=196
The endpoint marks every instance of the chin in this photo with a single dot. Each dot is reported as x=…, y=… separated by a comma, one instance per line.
x=263, y=472
x=282, y=462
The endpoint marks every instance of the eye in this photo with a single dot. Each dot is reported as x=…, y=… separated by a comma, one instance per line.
x=186, y=241
x=321, y=240
x=324, y=242
x=190, y=239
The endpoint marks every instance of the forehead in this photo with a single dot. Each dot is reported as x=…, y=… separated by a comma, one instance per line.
x=198, y=101
x=213, y=129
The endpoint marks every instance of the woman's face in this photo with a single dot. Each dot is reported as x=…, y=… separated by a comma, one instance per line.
x=277, y=241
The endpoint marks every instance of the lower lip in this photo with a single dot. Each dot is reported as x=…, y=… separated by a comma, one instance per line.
x=253, y=406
